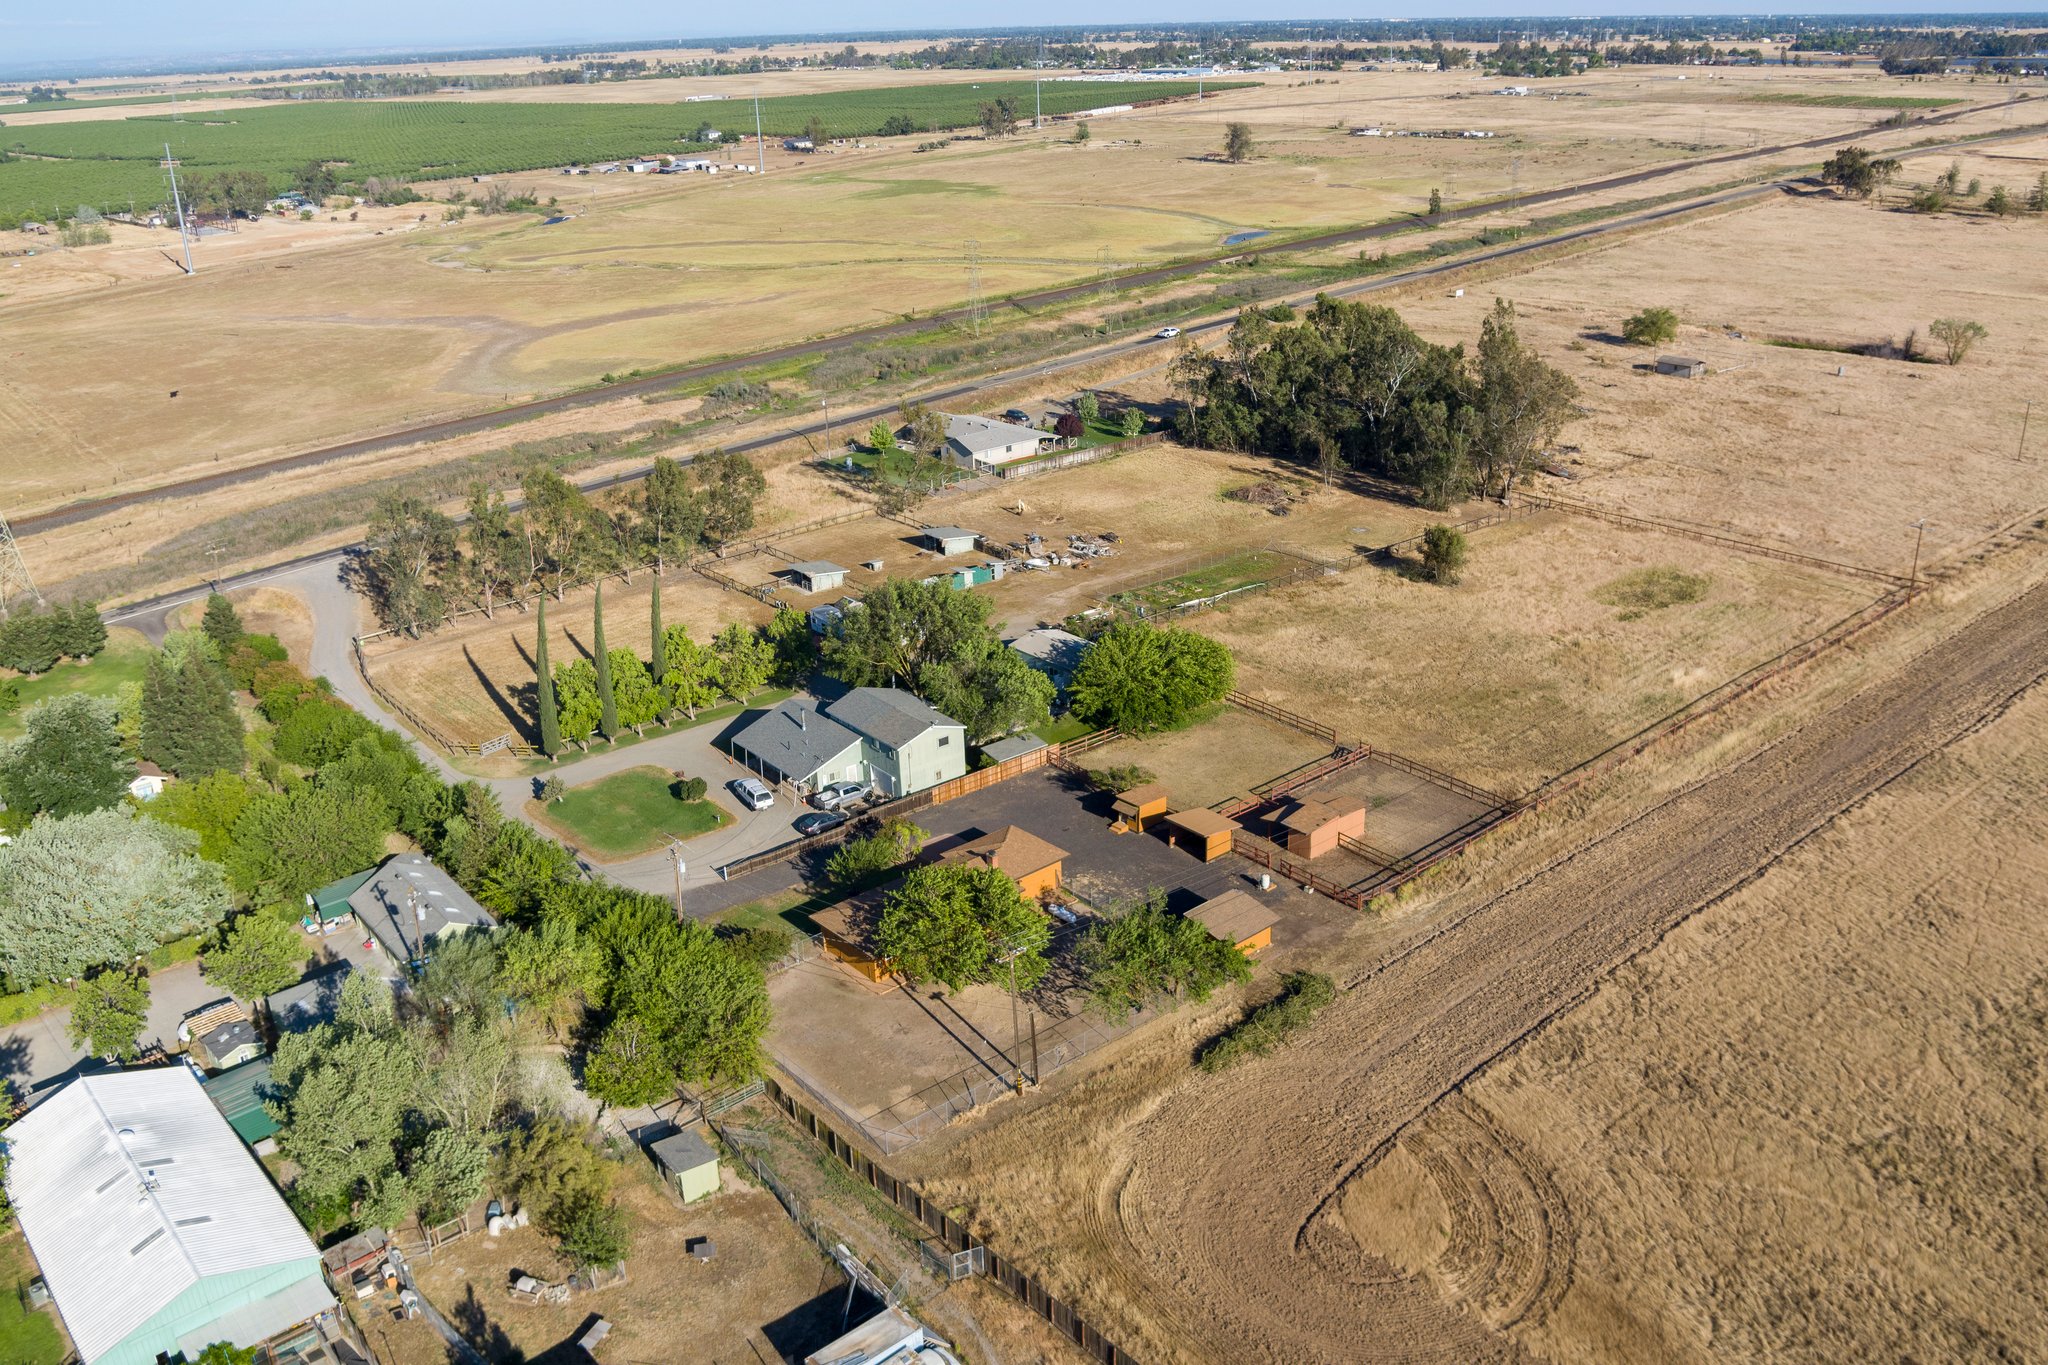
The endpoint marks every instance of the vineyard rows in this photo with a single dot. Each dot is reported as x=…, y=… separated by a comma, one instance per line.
x=106, y=163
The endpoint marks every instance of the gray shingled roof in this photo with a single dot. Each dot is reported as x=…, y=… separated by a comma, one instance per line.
x=1051, y=649
x=888, y=715
x=950, y=533
x=312, y=1001
x=792, y=749
x=385, y=905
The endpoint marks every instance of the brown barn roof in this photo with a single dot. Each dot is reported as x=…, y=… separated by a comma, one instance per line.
x=1141, y=796
x=1202, y=822
x=1313, y=815
x=1010, y=849
x=1233, y=916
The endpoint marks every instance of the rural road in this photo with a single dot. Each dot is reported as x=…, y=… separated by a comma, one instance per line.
x=71, y=513
x=1288, y=1281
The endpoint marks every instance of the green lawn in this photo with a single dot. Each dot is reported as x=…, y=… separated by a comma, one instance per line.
x=784, y=910
x=27, y=1337
x=1060, y=729
x=1242, y=570
x=120, y=662
x=629, y=813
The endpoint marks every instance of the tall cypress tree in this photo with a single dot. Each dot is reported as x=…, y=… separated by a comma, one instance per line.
x=550, y=719
x=657, y=662
x=607, y=706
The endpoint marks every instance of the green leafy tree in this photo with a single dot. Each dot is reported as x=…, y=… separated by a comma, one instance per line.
x=689, y=679
x=1857, y=173
x=992, y=690
x=861, y=863
x=882, y=438
x=189, y=723
x=1651, y=327
x=208, y=807
x=544, y=689
x=1140, y=678
x=596, y=1234
x=732, y=487
x=448, y=1173
x=343, y=1092
x=552, y=1169
x=1142, y=954
x=288, y=843
x=607, y=699
x=1436, y=203
x=1081, y=131
x=633, y=691
x=226, y=1353
x=629, y=1067
x=2001, y=203
x=2037, y=198
x=577, y=700
x=795, y=649
x=1522, y=402
x=463, y=979
x=1443, y=554
x=497, y=565
x=99, y=888
x=558, y=519
x=1131, y=424
x=1088, y=407
x=1957, y=336
x=258, y=956
x=1237, y=142
x=412, y=551
x=903, y=626
x=961, y=924
x=69, y=762
x=707, y=1006
x=671, y=512
x=222, y=624
x=108, y=1012
x=554, y=971
x=744, y=661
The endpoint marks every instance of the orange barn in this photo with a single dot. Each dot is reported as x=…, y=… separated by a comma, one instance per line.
x=1312, y=828
x=1032, y=863
x=1238, y=918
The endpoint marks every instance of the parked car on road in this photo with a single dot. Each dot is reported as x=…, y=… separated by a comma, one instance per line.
x=818, y=821
x=838, y=794
x=752, y=793
x=1168, y=333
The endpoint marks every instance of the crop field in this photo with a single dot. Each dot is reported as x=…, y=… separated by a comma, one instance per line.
x=112, y=161
x=1814, y=101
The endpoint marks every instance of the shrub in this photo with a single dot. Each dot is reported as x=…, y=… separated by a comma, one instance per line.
x=861, y=863
x=1651, y=327
x=1069, y=426
x=1121, y=778
x=249, y=655
x=1443, y=554
x=1302, y=996
x=761, y=945
x=1957, y=336
x=692, y=789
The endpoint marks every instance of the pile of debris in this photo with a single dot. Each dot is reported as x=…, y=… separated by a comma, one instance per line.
x=1033, y=552
x=1276, y=498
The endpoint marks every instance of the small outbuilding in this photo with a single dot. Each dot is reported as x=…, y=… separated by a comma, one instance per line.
x=1202, y=832
x=149, y=782
x=329, y=904
x=950, y=540
x=843, y=931
x=1033, y=863
x=239, y=1093
x=219, y=1036
x=1051, y=651
x=817, y=575
x=1237, y=918
x=1138, y=808
x=1016, y=746
x=687, y=1162
x=312, y=1002
x=1684, y=367
x=1312, y=828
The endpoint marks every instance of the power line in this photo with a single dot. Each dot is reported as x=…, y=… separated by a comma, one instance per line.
x=975, y=308
x=14, y=575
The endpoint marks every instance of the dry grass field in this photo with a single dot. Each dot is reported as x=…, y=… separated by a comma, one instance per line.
x=273, y=355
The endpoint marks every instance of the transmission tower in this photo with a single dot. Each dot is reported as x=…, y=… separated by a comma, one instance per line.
x=14, y=576
x=976, y=309
x=178, y=203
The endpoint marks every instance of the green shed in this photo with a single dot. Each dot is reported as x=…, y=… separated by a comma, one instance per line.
x=239, y=1093
x=330, y=902
x=689, y=1163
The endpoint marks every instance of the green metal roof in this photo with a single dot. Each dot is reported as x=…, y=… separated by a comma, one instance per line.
x=239, y=1093
x=331, y=900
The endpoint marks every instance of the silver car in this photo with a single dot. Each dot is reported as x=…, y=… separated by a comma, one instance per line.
x=752, y=793
x=838, y=794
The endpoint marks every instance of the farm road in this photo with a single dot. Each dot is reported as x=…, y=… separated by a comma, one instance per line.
x=1250, y=1257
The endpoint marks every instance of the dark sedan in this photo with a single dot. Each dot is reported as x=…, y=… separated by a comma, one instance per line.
x=818, y=821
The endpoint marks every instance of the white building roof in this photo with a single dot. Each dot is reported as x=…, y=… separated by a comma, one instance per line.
x=978, y=434
x=131, y=1188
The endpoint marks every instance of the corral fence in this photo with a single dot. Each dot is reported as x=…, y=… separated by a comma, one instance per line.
x=951, y=1234
x=1266, y=854
x=1067, y=459
x=1293, y=719
x=1528, y=507
x=1300, y=568
x=1052, y=755
x=1709, y=536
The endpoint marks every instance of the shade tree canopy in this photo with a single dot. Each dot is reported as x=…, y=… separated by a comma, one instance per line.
x=1139, y=677
x=961, y=924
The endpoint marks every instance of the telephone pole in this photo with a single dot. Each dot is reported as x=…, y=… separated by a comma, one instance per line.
x=14, y=576
x=1919, y=534
x=974, y=305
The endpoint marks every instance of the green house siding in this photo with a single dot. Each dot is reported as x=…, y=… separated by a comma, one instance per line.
x=207, y=1301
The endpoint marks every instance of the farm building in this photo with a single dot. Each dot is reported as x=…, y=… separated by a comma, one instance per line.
x=1312, y=828
x=1031, y=862
x=881, y=736
x=133, y=1182
x=149, y=781
x=985, y=443
x=798, y=144
x=1052, y=651
x=408, y=902
x=949, y=540
x=219, y=1035
x=329, y=904
x=239, y=1093
x=1685, y=367
x=1238, y=918
x=687, y=1162
x=891, y=1337
x=843, y=932
x=1202, y=832
x=1140, y=807
x=817, y=575
x=1016, y=746
x=298, y=1008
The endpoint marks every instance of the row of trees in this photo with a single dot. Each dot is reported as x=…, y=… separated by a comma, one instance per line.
x=419, y=565
x=1352, y=386
x=33, y=641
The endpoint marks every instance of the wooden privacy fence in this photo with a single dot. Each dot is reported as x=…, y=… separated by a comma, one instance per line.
x=952, y=1233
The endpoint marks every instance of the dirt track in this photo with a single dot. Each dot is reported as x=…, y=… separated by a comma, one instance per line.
x=1227, y=1226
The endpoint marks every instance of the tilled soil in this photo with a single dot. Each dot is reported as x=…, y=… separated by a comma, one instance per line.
x=1224, y=1215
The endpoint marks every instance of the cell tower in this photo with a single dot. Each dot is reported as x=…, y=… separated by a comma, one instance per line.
x=14, y=577
x=178, y=203
x=976, y=309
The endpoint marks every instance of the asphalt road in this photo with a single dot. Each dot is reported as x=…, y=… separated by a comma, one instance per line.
x=83, y=510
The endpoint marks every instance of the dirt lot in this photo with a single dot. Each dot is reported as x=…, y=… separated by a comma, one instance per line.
x=1756, y=1026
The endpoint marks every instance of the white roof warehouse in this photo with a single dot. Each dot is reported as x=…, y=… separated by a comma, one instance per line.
x=153, y=1225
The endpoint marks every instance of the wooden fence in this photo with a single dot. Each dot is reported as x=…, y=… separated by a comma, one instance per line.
x=1709, y=536
x=1254, y=849
x=1066, y=459
x=952, y=1233
x=1294, y=720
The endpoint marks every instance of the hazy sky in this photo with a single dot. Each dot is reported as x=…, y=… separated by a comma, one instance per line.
x=149, y=30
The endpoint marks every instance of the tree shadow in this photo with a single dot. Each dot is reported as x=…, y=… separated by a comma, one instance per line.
x=508, y=704
x=476, y=1327
x=578, y=645
x=1605, y=337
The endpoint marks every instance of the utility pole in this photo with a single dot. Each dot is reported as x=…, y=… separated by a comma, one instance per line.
x=760, y=147
x=1919, y=533
x=675, y=855
x=974, y=308
x=2025, y=418
x=1016, y=1029
x=216, y=551
x=178, y=202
